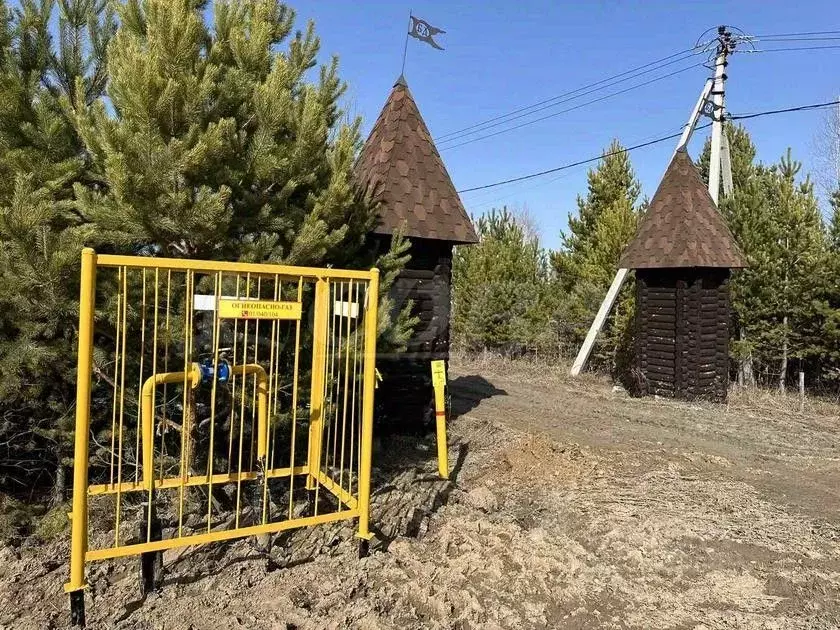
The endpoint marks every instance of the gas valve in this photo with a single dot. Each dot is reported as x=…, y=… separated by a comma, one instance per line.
x=222, y=371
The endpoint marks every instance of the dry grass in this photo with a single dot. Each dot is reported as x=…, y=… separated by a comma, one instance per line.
x=555, y=370
x=756, y=400
x=770, y=401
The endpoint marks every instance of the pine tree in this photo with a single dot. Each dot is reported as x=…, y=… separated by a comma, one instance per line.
x=745, y=211
x=829, y=306
x=500, y=288
x=591, y=249
x=794, y=257
x=40, y=235
x=780, y=299
x=613, y=189
x=215, y=143
x=218, y=147
x=162, y=137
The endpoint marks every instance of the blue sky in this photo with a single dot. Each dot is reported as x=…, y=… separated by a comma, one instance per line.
x=504, y=55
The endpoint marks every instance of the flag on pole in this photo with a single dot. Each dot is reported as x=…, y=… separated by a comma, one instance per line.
x=425, y=32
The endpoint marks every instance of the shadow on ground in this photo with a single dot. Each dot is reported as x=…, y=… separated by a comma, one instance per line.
x=467, y=392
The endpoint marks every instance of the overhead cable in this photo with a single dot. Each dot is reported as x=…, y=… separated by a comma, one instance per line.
x=670, y=59
x=569, y=109
x=799, y=108
x=578, y=163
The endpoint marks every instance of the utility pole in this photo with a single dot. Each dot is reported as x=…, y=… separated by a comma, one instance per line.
x=601, y=316
x=713, y=88
x=725, y=46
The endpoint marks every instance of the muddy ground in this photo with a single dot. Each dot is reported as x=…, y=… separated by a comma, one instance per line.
x=572, y=506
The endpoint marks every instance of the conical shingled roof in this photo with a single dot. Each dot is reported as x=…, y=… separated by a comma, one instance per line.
x=401, y=164
x=682, y=227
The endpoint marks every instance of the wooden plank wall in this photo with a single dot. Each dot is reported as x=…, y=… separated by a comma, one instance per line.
x=656, y=334
x=682, y=319
x=406, y=394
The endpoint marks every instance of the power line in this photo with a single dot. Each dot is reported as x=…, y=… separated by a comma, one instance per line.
x=801, y=108
x=797, y=34
x=569, y=109
x=786, y=49
x=558, y=100
x=796, y=39
x=488, y=201
x=578, y=163
x=609, y=81
x=571, y=92
x=647, y=144
x=517, y=192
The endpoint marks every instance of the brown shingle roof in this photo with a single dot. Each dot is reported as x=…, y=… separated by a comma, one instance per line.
x=400, y=163
x=682, y=227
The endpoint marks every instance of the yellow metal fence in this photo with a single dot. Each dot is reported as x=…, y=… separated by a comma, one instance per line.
x=216, y=401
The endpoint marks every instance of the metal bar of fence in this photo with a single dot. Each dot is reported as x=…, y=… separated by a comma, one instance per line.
x=294, y=404
x=353, y=417
x=319, y=362
x=209, y=267
x=140, y=375
x=371, y=329
x=186, y=427
x=79, y=515
x=198, y=480
x=227, y=534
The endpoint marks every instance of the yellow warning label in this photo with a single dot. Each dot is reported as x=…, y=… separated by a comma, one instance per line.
x=258, y=309
x=438, y=374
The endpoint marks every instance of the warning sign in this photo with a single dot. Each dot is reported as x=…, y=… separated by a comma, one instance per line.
x=258, y=309
x=438, y=374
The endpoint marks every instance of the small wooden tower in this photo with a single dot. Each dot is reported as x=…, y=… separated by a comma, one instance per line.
x=682, y=254
x=400, y=165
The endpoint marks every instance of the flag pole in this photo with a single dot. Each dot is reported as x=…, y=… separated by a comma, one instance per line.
x=405, y=47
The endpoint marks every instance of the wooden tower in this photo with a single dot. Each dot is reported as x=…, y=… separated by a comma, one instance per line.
x=682, y=254
x=401, y=167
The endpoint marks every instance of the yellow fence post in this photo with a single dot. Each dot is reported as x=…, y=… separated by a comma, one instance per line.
x=369, y=384
x=439, y=384
x=319, y=362
x=79, y=515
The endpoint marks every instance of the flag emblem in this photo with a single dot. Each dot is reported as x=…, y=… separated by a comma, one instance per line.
x=425, y=32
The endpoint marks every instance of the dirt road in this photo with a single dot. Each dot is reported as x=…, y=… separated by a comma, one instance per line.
x=573, y=507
